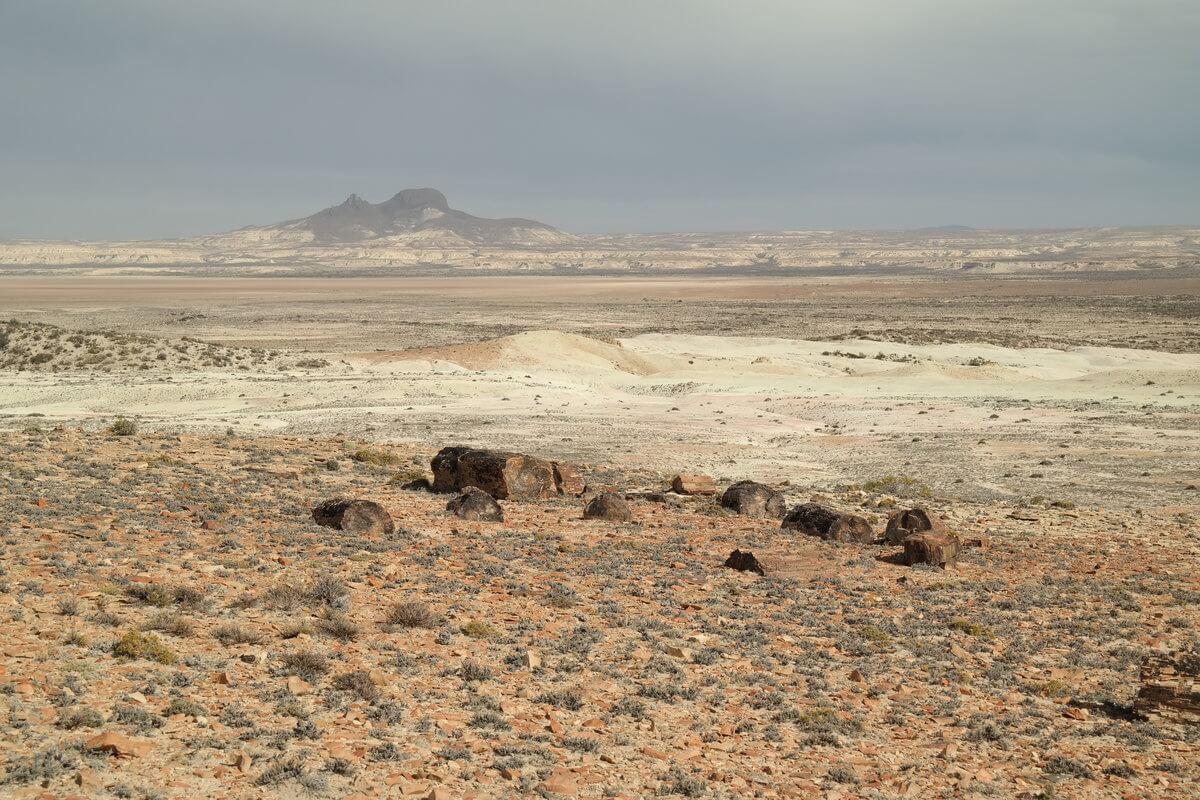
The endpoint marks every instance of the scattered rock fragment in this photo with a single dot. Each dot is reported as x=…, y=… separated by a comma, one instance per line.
x=814, y=519
x=119, y=745
x=609, y=506
x=476, y=504
x=354, y=516
x=753, y=499
x=1170, y=689
x=561, y=781
x=693, y=484
x=938, y=549
x=905, y=523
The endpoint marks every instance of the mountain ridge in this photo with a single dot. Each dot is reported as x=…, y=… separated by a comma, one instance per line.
x=422, y=213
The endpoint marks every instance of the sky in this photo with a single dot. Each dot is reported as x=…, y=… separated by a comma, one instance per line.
x=157, y=118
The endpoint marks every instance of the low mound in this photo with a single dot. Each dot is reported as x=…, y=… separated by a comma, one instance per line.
x=542, y=350
x=48, y=348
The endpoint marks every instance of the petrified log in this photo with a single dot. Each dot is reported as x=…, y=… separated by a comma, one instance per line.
x=445, y=468
x=814, y=519
x=501, y=474
x=476, y=504
x=354, y=516
x=693, y=484
x=608, y=506
x=744, y=561
x=938, y=549
x=567, y=479
x=1170, y=689
x=753, y=499
x=903, y=524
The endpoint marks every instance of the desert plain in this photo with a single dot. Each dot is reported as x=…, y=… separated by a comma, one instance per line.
x=175, y=623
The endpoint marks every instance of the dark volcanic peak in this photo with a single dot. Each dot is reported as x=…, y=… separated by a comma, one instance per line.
x=414, y=211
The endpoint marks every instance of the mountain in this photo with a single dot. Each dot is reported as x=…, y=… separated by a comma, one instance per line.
x=413, y=214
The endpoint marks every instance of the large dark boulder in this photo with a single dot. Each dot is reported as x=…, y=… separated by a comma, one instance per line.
x=903, y=524
x=813, y=519
x=752, y=499
x=364, y=517
x=476, y=504
x=445, y=468
x=501, y=474
x=609, y=506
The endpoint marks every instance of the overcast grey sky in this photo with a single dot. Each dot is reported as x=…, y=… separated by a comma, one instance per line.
x=150, y=118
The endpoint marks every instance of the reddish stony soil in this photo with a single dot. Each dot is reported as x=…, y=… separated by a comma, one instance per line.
x=173, y=624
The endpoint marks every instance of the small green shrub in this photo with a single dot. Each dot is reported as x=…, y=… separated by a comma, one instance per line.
x=374, y=457
x=144, y=645
x=479, y=630
x=122, y=427
x=898, y=485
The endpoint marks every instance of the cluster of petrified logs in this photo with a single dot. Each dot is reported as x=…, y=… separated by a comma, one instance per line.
x=480, y=478
x=1170, y=683
x=921, y=532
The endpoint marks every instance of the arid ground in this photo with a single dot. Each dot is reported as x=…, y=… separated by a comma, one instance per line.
x=175, y=624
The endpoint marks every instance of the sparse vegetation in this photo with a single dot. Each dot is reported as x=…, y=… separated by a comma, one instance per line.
x=122, y=426
x=136, y=644
x=307, y=664
x=903, y=486
x=375, y=457
x=411, y=614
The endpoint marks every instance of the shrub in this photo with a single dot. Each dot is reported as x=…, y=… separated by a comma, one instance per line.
x=411, y=614
x=170, y=622
x=122, y=427
x=80, y=718
x=284, y=769
x=472, y=671
x=68, y=606
x=479, y=630
x=43, y=765
x=159, y=595
x=307, y=664
x=376, y=458
x=135, y=644
x=339, y=627
x=1061, y=765
x=189, y=708
x=488, y=719
x=898, y=485
x=570, y=699
x=229, y=634
x=405, y=477
x=328, y=590
x=971, y=628
x=842, y=774
x=359, y=681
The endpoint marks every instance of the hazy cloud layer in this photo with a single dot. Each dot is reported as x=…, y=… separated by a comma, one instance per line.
x=161, y=118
